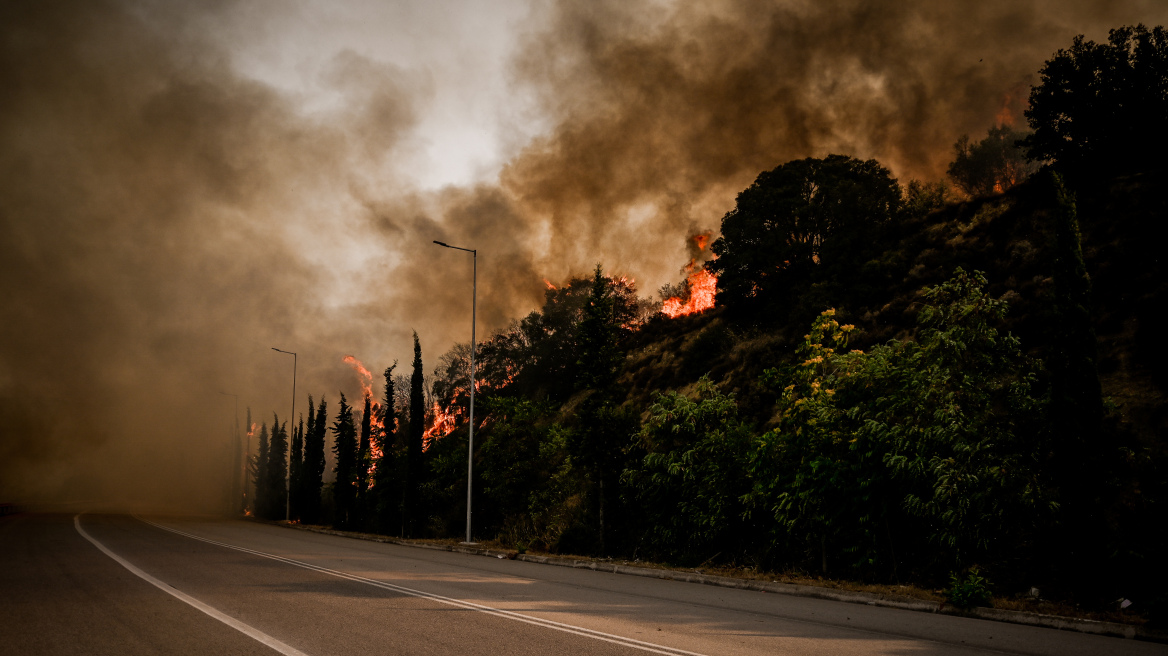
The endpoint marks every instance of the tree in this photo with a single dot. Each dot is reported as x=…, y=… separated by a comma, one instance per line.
x=598, y=356
x=809, y=221
x=277, y=470
x=689, y=485
x=363, y=461
x=252, y=471
x=604, y=427
x=413, y=500
x=1076, y=397
x=1101, y=106
x=388, y=484
x=262, y=498
x=296, y=468
x=345, y=449
x=991, y=165
x=314, y=465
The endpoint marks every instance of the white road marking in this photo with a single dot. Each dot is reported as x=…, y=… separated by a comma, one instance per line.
x=498, y=612
x=245, y=629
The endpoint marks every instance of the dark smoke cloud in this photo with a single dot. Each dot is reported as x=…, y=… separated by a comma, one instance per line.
x=681, y=104
x=165, y=220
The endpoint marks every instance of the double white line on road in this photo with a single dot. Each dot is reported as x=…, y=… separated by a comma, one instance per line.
x=468, y=605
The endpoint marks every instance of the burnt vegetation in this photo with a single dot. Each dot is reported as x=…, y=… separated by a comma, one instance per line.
x=899, y=382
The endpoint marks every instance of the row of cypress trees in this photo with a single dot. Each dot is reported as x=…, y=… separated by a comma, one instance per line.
x=378, y=494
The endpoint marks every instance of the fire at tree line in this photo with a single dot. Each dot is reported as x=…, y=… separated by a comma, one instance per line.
x=948, y=384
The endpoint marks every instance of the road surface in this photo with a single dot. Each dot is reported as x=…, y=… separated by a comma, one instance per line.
x=116, y=584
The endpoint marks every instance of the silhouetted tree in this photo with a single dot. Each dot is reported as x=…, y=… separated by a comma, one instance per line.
x=807, y=222
x=598, y=356
x=363, y=461
x=252, y=470
x=413, y=500
x=388, y=485
x=262, y=498
x=1076, y=399
x=991, y=165
x=603, y=428
x=1101, y=106
x=314, y=463
x=345, y=449
x=295, y=467
x=277, y=470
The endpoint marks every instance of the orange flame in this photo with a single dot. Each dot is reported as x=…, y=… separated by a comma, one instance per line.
x=443, y=423
x=701, y=240
x=703, y=285
x=548, y=283
x=375, y=421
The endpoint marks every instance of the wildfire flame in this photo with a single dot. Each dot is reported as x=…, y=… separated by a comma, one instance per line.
x=548, y=283
x=375, y=421
x=444, y=421
x=702, y=284
x=702, y=288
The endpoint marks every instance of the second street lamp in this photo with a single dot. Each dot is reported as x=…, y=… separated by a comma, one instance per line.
x=473, y=309
x=288, y=458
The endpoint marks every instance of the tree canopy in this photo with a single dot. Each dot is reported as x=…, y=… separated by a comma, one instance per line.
x=1101, y=106
x=809, y=220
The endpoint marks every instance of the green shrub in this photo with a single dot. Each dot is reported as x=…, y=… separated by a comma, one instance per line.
x=970, y=590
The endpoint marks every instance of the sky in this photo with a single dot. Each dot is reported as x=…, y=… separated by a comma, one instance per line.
x=186, y=185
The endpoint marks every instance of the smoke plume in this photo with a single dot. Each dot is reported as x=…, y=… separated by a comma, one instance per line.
x=165, y=219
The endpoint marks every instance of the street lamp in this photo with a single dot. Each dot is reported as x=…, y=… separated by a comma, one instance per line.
x=473, y=309
x=235, y=492
x=291, y=420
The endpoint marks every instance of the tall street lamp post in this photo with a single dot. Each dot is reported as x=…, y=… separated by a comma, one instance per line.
x=473, y=309
x=291, y=424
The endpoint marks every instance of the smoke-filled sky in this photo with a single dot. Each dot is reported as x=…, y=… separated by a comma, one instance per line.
x=184, y=185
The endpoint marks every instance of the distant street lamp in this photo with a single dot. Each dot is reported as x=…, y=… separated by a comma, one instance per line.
x=473, y=309
x=291, y=420
x=235, y=490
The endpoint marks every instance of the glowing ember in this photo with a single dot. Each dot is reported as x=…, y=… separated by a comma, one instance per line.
x=702, y=288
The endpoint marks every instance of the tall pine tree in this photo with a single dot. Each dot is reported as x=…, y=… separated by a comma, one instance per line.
x=388, y=487
x=603, y=426
x=345, y=449
x=314, y=465
x=413, y=498
x=262, y=496
x=277, y=470
x=252, y=464
x=363, y=461
x=295, y=467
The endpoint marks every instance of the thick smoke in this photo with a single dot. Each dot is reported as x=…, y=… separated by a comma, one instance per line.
x=164, y=220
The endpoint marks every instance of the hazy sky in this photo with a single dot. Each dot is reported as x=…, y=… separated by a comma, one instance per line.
x=188, y=184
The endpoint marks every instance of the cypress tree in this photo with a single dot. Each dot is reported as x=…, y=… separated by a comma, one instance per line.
x=413, y=509
x=388, y=493
x=345, y=449
x=277, y=468
x=363, y=461
x=1076, y=400
x=261, y=497
x=313, y=467
x=252, y=464
x=596, y=441
x=295, y=466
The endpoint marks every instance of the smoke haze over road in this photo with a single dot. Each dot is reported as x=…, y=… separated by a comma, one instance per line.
x=185, y=185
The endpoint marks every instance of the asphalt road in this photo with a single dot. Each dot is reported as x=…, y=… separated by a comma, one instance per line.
x=203, y=586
